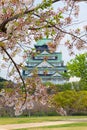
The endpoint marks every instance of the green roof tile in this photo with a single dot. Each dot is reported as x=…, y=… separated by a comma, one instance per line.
x=43, y=41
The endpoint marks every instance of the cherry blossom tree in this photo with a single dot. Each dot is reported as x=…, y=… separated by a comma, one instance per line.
x=12, y=96
x=21, y=21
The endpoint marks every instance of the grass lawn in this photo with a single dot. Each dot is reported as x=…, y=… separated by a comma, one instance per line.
x=19, y=120
x=72, y=126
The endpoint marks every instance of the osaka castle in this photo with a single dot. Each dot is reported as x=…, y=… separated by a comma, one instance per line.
x=49, y=63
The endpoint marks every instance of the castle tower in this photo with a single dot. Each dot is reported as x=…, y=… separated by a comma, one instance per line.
x=49, y=64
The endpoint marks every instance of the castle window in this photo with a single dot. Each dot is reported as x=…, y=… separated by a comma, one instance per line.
x=26, y=72
x=62, y=64
x=56, y=57
x=65, y=71
x=59, y=64
x=38, y=58
x=33, y=57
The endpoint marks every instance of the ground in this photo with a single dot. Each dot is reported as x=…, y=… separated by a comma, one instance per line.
x=49, y=123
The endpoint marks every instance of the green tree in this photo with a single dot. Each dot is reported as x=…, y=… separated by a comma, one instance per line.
x=71, y=101
x=78, y=67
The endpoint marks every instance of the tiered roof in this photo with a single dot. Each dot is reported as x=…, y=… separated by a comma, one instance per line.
x=49, y=65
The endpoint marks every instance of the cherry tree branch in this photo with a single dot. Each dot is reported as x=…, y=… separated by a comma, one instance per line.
x=60, y=29
x=8, y=70
x=38, y=28
x=15, y=67
x=3, y=24
x=24, y=86
x=71, y=8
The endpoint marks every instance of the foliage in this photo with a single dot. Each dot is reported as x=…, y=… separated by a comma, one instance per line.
x=82, y=85
x=4, y=83
x=7, y=112
x=1, y=79
x=21, y=22
x=78, y=67
x=43, y=113
x=55, y=88
x=63, y=87
x=51, y=88
x=71, y=101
